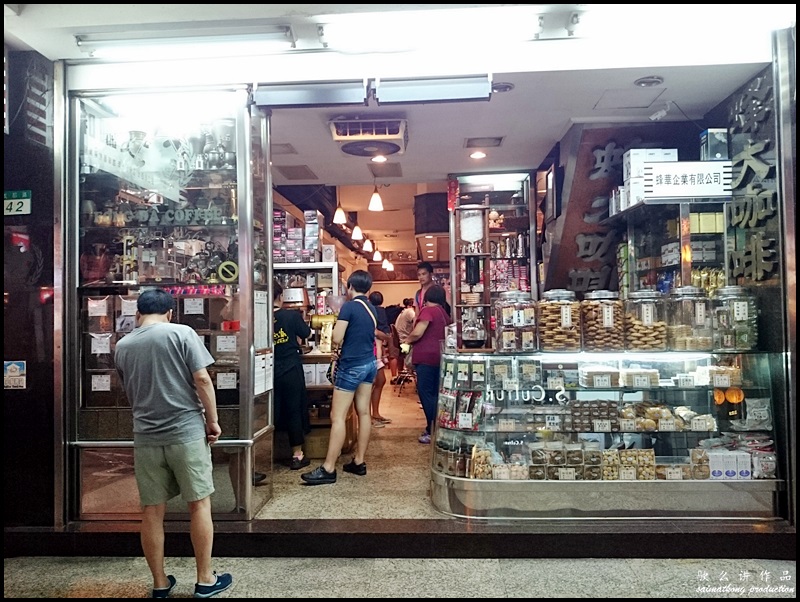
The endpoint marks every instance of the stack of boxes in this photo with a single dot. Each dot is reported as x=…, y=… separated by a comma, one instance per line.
x=632, y=191
x=293, y=242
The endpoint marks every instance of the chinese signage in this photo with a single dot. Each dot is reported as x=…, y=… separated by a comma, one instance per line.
x=695, y=180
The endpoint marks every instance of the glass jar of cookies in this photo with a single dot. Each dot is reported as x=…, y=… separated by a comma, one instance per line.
x=689, y=320
x=734, y=319
x=644, y=324
x=601, y=317
x=559, y=321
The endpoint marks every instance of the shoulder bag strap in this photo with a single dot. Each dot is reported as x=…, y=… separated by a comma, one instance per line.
x=371, y=315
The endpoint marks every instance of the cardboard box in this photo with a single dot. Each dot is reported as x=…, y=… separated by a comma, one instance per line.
x=694, y=223
x=633, y=161
x=743, y=465
x=635, y=189
x=720, y=222
x=708, y=223
x=310, y=374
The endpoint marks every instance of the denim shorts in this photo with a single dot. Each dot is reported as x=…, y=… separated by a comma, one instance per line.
x=350, y=377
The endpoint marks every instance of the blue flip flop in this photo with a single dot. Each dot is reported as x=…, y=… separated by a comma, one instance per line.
x=164, y=592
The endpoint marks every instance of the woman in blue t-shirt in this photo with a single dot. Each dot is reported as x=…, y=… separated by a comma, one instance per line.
x=354, y=336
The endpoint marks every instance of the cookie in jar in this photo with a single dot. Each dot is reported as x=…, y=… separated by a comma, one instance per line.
x=559, y=321
x=601, y=318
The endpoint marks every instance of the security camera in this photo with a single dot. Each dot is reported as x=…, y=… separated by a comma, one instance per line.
x=662, y=113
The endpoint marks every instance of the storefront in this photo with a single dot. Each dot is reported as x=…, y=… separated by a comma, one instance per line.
x=216, y=213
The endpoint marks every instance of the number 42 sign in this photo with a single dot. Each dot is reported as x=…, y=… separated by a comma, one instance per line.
x=17, y=202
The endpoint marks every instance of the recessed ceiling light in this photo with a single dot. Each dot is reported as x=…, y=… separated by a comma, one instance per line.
x=428, y=244
x=501, y=87
x=478, y=155
x=379, y=159
x=649, y=81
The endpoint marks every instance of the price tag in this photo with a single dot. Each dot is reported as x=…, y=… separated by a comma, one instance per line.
x=740, y=311
x=722, y=380
x=465, y=420
x=685, y=381
x=510, y=384
x=192, y=306
x=553, y=422
x=641, y=381
x=97, y=307
x=101, y=382
x=448, y=380
x=566, y=316
x=627, y=473
x=602, y=426
x=226, y=343
x=478, y=373
x=699, y=424
x=507, y=424
x=566, y=474
x=226, y=380
x=666, y=424
x=602, y=381
x=128, y=307
x=627, y=425
x=101, y=344
x=555, y=382
x=674, y=473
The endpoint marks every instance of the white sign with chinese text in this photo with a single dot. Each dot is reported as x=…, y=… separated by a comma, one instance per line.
x=687, y=180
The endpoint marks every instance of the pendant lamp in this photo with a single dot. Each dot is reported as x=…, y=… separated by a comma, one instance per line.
x=339, y=216
x=377, y=255
x=357, y=233
x=375, y=201
x=385, y=265
x=368, y=247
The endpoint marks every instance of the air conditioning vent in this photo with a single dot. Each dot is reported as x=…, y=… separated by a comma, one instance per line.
x=370, y=137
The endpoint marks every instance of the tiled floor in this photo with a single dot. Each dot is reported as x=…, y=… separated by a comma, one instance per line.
x=396, y=487
x=81, y=577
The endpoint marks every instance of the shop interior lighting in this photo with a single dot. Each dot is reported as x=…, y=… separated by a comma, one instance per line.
x=367, y=247
x=377, y=255
x=150, y=45
x=339, y=216
x=357, y=233
x=375, y=201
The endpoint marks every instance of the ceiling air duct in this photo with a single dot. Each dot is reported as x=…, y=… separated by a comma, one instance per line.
x=370, y=137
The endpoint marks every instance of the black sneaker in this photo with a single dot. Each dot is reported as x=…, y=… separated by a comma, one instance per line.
x=224, y=581
x=258, y=477
x=298, y=463
x=353, y=468
x=319, y=476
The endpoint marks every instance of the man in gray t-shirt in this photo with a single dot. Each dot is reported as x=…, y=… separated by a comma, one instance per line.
x=163, y=369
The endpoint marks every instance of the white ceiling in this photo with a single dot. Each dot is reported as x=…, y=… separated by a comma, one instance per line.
x=557, y=83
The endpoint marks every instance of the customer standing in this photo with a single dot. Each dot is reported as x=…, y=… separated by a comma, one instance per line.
x=426, y=352
x=354, y=336
x=425, y=277
x=289, y=389
x=382, y=336
x=405, y=321
x=163, y=369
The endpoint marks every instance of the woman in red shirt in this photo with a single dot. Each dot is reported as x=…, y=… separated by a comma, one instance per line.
x=426, y=352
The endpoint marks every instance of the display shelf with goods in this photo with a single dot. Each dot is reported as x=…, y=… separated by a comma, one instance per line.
x=169, y=205
x=491, y=226
x=638, y=435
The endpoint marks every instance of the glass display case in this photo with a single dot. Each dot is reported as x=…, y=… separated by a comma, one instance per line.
x=639, y=435
x=490, y=253
x=167, y=198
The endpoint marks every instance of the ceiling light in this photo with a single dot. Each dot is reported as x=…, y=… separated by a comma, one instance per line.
x=502, y=87
x=152, y=45
x=385, y=265
x=375, y=201
x=339, y=216
x=428, y=244
x=390, y=267
x=377, y=255
x=428, y=236
x=357, y=233
x=379, y=159
x=649, y=81
x=478, y=155
x=367, y=248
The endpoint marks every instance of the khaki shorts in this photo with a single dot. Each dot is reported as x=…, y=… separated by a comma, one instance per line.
x=166, y=471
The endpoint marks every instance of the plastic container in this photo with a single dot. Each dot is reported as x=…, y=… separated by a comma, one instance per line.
x=689, y=320
x=559, y=321
x=645, y=325
x=734, y=319
x=602, y=321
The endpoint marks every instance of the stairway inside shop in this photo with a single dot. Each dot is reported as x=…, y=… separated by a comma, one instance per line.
x=388, y=513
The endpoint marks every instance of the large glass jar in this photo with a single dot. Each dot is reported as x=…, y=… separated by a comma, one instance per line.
x=515, y=322
x=689, y=320
x=645, y=325
x=601, y=316
x=559, y=321
x=734, y=319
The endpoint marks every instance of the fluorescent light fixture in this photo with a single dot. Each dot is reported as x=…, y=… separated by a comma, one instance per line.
x=339, y=216
x=357, y=233
x=433, y=89
x=368, y=246
x=375, y=201
x=152, y=45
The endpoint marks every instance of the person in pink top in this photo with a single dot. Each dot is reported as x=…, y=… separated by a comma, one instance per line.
x=426, y=352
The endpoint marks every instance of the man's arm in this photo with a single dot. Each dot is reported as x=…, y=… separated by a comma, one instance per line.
x=208, y=397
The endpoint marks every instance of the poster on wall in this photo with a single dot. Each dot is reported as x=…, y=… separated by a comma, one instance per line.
x=403, y=272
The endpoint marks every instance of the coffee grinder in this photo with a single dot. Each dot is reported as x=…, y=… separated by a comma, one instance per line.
x=323, y=323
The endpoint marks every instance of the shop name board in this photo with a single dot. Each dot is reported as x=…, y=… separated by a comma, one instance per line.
x=696, y=180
